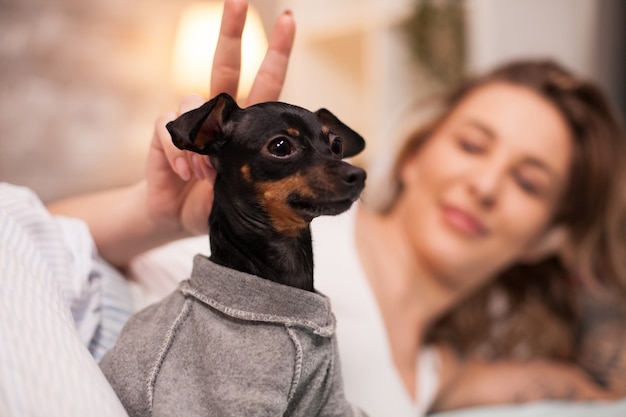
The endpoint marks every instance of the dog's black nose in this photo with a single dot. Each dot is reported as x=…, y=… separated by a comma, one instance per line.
x=353, y=175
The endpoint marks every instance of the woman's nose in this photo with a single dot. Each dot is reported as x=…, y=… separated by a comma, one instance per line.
x=485, y=183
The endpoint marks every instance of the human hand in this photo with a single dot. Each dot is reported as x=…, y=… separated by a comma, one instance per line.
x=478, y=383
x=601, y=349
x=180, y=183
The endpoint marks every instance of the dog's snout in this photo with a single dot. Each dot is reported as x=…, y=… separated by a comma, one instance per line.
x=353, y=175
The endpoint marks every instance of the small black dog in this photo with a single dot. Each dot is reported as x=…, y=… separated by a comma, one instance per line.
x=228, y=342
x=279, y=166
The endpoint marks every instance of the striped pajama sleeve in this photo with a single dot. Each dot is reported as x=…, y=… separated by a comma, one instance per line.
x=61, y=307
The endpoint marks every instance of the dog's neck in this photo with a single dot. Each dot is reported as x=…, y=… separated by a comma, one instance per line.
x=243, y=239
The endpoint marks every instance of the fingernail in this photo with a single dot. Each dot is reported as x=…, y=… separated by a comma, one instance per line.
x=182, y=169
x=288, y=12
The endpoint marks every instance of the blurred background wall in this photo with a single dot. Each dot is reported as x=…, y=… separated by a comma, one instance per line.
x=81, y=81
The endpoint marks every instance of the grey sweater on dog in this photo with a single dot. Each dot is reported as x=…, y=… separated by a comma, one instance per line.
x=230, y=344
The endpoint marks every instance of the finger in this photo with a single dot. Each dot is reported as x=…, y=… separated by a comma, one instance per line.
x=197, y=163
x=209, y=172
x=190, y=102
x=270, y=79
x=227, y=59
x=202, y=168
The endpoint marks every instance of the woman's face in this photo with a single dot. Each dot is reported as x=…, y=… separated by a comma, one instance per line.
x=480, y=193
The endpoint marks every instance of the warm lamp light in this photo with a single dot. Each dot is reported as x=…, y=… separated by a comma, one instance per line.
x=195, y=43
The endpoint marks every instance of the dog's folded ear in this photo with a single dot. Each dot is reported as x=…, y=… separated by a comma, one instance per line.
x=201, y=130
x=353, y=143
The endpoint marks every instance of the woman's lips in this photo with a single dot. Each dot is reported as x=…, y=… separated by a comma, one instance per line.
x=463, y=222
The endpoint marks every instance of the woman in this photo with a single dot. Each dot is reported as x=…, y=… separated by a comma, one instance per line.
x=494, y=203
x=580, y=252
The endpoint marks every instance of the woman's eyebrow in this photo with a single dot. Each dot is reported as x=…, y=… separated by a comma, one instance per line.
x=482, y=127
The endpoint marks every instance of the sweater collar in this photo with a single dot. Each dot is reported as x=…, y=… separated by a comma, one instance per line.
x=249, y=297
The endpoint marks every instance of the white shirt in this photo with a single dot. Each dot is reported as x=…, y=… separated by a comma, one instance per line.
x=370, y=377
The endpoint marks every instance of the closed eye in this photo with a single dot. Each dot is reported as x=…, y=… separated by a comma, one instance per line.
x=533, y=179
x=473, y=137
x=471, y=146
x=528, y=186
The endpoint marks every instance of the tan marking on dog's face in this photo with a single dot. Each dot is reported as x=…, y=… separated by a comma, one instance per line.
x=273, y=196
x=293, y=131
x=325, y=130
x=245, y=173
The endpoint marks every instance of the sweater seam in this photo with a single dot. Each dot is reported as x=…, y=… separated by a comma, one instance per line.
x=330, y=372
x=165, y=347
x=297, y=368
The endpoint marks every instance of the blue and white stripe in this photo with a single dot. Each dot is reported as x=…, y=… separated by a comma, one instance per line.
x=56, y=298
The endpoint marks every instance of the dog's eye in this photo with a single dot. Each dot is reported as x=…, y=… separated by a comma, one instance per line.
x=280, y=147
x=336, y=145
